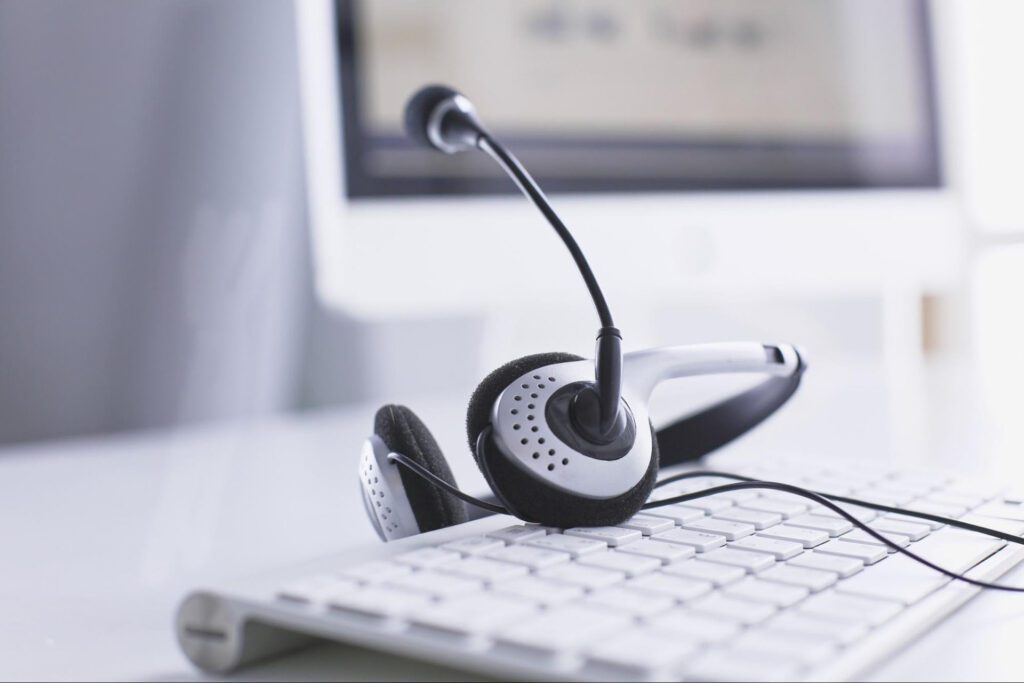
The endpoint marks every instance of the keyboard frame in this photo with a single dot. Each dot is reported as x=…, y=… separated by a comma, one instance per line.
x=224, y=628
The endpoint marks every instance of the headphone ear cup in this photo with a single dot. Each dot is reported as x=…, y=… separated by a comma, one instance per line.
x=524, y=495
x=403, y=432
x=532, y=500
x=481, y=404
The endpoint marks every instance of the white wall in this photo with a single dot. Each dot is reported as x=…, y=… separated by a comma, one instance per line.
x=152, y=239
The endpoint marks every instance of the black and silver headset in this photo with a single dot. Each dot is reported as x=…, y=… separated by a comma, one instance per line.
x=566, y=441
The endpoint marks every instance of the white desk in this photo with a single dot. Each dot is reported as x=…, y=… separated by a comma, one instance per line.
x=100, y=538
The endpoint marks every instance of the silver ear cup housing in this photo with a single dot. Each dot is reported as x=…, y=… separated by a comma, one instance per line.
x=384, y=495
x=523, y=435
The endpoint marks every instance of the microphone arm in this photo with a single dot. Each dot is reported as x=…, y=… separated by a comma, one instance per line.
x=608, y=357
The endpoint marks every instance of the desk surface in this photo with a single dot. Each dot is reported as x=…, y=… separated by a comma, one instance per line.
x=101, y=537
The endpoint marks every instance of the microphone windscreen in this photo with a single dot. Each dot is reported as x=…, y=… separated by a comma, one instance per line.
x=419, y=108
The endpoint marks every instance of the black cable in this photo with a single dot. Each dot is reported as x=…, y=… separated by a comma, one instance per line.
x=529, y=187
x=822, y=500
x=966, y=526
x=745, y=483
x=442, y=484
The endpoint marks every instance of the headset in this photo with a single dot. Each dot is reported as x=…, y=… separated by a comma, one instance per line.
x=566, y=441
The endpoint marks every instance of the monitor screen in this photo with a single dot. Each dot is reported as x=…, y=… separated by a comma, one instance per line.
x=645, y=95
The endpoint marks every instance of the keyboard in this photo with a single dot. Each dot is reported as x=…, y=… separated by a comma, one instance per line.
x=747, y=585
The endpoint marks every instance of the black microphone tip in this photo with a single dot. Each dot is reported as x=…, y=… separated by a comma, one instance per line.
x=419, y=109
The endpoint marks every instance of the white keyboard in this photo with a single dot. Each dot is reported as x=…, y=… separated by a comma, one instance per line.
x=749, y=585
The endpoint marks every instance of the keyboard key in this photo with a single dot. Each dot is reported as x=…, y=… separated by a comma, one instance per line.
x=843, y=566
x=833, y=526
x=539, y=590
x=868, y=554
x=1003, y=510
x=676, y=587
x=780, y=550
x=787, y=508
x=679, y=514
x=806, y=649
x=967, y=500
x=901, y=579
x=698, y=540
x=824, y=485
x=630, y=565
x=378, y=601
x=717, y=574
x=726, y=607
x=519, y=533
x=316, y=588
x=634, y=602
x=811, y=579
x=808, y=538
x=473, y=545
x=426, y=558
x=529, y=556
x=884, y=496
x=562, y=628
x=642, y=653
x=648, y=525
x=575, y=546
x=933, y=508
x=472, y=615
x=489, y=571
x=764, y=591
x=700, y=627
x=436, y=584
x=375, y=572
x=835, y=606
x=740, y=496
x=861, y=536
x=731, y=530
x=612, y=535
x=859, y=513
x=956, y=550
x=751, y=562
x=732, y=665
x=709, y=505
x=759, y=520
x=913, y=531
x=589, y=578
x=1007, y=526
x=842, y=632
x=666, y=553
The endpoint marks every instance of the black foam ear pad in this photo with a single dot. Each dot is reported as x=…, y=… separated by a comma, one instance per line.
x=481, y=404
x=535, y=501
x=403, y=432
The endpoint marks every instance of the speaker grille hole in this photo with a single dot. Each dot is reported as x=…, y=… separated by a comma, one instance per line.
x=551, y=467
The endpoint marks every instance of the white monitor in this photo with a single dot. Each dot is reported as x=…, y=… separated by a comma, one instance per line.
x=848, y=198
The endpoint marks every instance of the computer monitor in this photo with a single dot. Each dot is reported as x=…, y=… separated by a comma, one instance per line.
x=697, y=149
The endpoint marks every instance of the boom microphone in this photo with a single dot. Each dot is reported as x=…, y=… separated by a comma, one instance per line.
x=445, y=120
